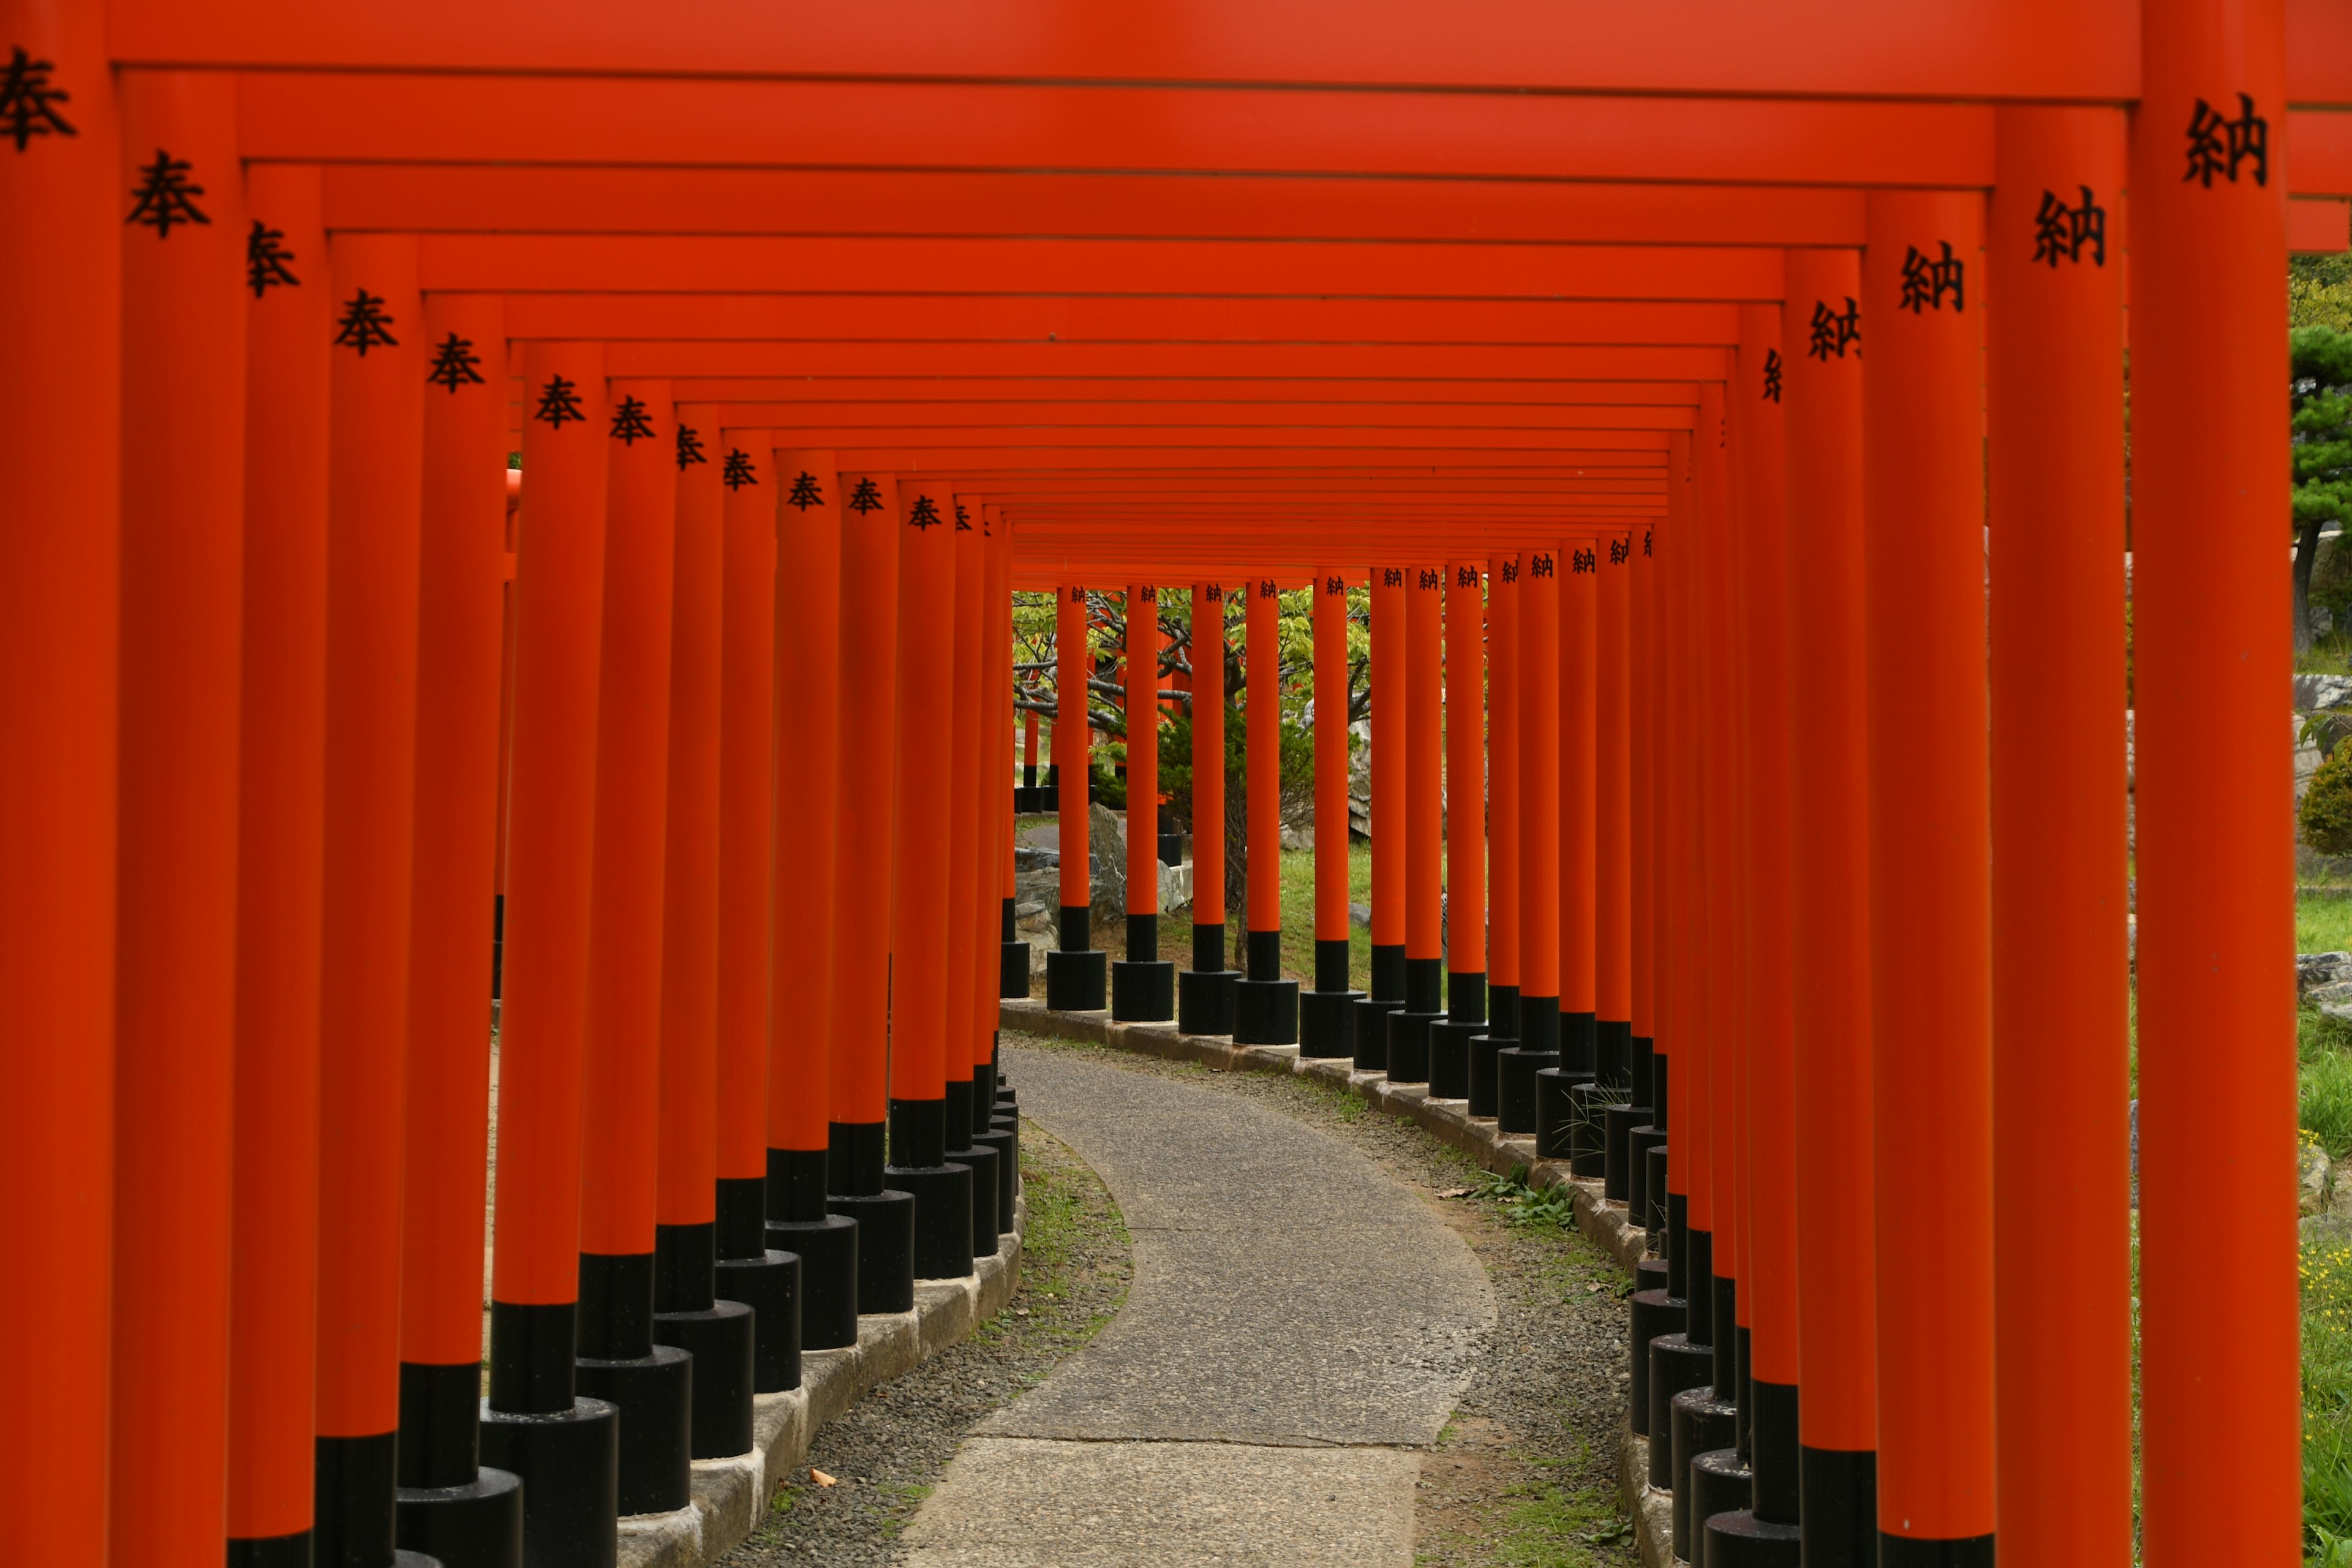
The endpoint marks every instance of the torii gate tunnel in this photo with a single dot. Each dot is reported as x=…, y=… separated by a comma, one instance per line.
x=1715, y=426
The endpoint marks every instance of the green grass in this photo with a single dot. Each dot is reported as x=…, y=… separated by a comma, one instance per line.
x=1551, y=1527
x=2323, y=925
x=2326, y=1277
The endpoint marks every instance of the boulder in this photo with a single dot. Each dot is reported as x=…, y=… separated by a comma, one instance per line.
x=2311, y=1179
x=2318, y=971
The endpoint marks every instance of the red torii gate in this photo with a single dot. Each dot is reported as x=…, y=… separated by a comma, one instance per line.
x=2087, y=57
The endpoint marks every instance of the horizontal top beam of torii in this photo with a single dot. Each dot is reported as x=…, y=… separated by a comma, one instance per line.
x=1007, y=319
x=932, y=267
x=1433, y=363
x=1985, y=50
x=637, y=121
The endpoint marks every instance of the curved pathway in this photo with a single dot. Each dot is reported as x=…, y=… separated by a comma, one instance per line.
x=1299, y=1321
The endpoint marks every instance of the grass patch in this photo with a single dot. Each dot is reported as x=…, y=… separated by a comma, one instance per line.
x=2323, y=925
x=2326, y=1282
x=1551, y=1527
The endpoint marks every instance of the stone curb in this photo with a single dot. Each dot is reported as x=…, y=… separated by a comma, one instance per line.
x=731, y=1495
x=1605, y=1223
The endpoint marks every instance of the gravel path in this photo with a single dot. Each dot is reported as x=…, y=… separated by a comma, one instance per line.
x=887, y=1451
x=1522, y=1475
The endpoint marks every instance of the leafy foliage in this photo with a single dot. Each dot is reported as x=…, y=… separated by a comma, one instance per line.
x=2326, y=814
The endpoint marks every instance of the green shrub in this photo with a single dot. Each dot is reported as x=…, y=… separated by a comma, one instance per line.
x=2326, y=814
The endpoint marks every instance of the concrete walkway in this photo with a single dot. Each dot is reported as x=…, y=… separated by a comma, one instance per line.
x=1296, y=1316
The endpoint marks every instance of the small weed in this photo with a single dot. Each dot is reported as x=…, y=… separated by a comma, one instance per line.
x=1559, y=1529
x=1551, y=1208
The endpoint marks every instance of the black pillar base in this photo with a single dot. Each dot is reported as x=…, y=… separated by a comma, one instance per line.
x=981, y=1162
x=1515, y=1068
x=1204, y=1001
x=1006, y=1147
x=1676, y=1365
x=1409, y=1044
x=1639, y=1141
x=1772, y=1445
x=1740, y=1540
x=1266, y=1011
x=1555, y=1091
x=1652, y=1313
x=942, y=1232
x=1008, y=1170
x=1327, y=1022
x=827, y=1249
x=719, y=1344
x=1617, y=1124
x=1700, y=1424
x=1370, y=1025
x=1480, y=1088
x=1503, y=1011
x=1654, y=1162
x=477, y=1525
x=1841, y=1507
x=1913, y=1552
x=1012, y=969
x=1719, y=1484
x=1650, y=1274
x=773, y=1286
x=1725, y=1340
x=570, y=1463
x=1078, y=982
x=654, y=1394
x=352, y=1481
x=274, y=1550
x=886, y=1251
x=1449, y=1057
x=1143, y=992
x=1588, y=1144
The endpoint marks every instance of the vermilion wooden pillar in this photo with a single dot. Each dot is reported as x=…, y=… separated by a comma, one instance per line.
x=61, y=267
x=1932, y=1076
x=1718, y=894
x=1768, y=1347
x=992, y=892
x=650, y=1384
x=1143, y=988
x=182, y=466
x=1465, y=832
x=449, y=1505
x=747, y=1270
x=1567, y=1096
x=1266, y=1005
x=1612, y=829
x=1388, y=814
x=809, y=543
x=2217, y=1075
x=1503, y=854
x=273, y=1283
x=375, y=513
x=1678, y=1354
x=686, y=1199
x=2060, y=1056
x=924, y=713
x=564, y=1447
x=868, y=666
x=1327, y=1014
x=1829, y=908
x=1540, y=790
x=971, y=758
x=1205, y=993
x=1081, y=982
x=1423, y=778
